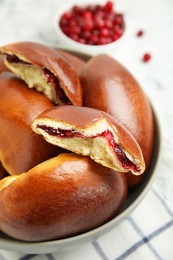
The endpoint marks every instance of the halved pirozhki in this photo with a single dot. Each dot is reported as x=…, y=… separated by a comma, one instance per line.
x=45, y=69
x=92, y=133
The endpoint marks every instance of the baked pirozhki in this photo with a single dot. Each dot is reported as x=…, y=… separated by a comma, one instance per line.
x=93, y=133
x=20, y=148
x=64, y=196
x=45, y=69
x=113, y=89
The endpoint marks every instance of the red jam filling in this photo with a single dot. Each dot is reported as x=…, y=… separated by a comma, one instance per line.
x=15, y=59
x=51, y=79
x=125, y=162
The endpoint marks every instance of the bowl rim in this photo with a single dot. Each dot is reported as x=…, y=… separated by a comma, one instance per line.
x=50, y=246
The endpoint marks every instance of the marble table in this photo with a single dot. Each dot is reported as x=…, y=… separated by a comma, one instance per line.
x=30, y=20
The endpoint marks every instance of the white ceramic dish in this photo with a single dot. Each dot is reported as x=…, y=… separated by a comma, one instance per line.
x=89, y=49
x=133, y=199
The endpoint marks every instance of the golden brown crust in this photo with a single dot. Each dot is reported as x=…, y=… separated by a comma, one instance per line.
x=47, y=57
x=81, y=118
x=75, y=61
x=20, y=148
x=72, y=115
x=121, y=96
x=64, y=196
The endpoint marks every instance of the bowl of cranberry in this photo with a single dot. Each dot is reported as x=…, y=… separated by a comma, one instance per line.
x=90, y=27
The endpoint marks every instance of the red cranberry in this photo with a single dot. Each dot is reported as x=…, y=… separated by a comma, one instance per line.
x=140, y=33
x=63, y=22
x=87, y=15
x=104, y=32
x=94, y=38
x=67, y=16
x=82, y=40
x=75, y=29
x=65, y=30
x=118, y=31
x=108, y=6
x=110, y=17
x=86, y=35
x=74, y=36
x=99, y=14
x=108, y=24
x=102, y=41
x=119, y=19
x=76, y=9
x=115, y=37
x=98, y=7
x=71, y=23
x=99, y=22
x=146, y=57
x=88, y=25
x=93, y=24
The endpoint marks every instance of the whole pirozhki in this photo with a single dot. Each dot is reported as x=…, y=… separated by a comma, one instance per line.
x=62, y=197
x=45, y=69
x=110, y=87
x=20, y=148
x=93, y=133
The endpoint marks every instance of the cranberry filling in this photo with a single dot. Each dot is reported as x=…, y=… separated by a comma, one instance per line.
x=51, y=79
x=15, y=59
x=146, y=57
x=93, y=24
x=60, y=132
x=126, y=163
x=140, y=33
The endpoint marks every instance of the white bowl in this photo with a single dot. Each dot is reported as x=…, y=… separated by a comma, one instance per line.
x=133, y=199
x=89, y=49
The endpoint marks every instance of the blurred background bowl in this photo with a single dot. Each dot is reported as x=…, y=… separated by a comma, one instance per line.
x=86, y=48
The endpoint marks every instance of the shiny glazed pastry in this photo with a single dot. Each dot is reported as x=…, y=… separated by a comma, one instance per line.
x=45, y=69
x=75, y=61
x=113, y=89
x=93, y=133
x=64, y=196
x=20, y=148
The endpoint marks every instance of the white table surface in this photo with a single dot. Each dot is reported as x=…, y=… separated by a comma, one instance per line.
x=147, y=233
